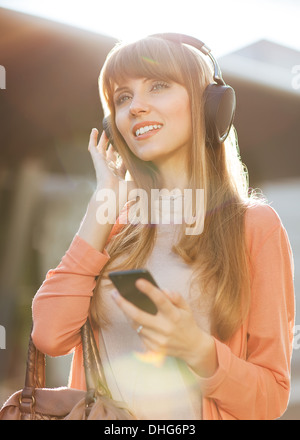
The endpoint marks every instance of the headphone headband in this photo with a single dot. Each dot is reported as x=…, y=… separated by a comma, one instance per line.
x=198, y=44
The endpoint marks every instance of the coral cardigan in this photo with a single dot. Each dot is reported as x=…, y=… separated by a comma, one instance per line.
x=253, y=376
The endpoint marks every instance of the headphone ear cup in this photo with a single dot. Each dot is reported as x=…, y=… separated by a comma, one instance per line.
x=107, y=128
x=219, y=107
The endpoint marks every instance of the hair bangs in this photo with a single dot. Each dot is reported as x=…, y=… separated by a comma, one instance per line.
x=147, y=58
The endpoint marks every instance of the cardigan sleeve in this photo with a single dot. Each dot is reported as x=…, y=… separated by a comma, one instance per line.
x=61, y=305
x=257, y=387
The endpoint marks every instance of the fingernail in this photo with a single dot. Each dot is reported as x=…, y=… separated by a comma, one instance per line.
x=140, y=282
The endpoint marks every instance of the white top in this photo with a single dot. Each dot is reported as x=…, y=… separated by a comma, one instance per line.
x=154, y=388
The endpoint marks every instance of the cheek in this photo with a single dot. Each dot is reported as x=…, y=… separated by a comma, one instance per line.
x=124, y=129
x=181, y=115
x=119, y=124
x=122, y=125
x=180, y=106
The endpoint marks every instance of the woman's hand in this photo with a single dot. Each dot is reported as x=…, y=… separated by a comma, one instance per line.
x=108, y=171
x=173, y=330
x=109, y=167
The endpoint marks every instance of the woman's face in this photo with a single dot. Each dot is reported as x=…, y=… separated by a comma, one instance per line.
x=154, y=117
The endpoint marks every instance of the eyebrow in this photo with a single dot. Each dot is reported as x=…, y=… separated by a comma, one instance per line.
x=120, y=89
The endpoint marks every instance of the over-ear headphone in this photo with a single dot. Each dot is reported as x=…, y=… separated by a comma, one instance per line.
x=220, y=101
x=219, y=98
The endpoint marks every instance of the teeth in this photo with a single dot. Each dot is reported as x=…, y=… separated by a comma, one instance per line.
x=147, y=128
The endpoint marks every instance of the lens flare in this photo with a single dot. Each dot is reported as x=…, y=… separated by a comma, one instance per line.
x=150, y=60
x=150, y=357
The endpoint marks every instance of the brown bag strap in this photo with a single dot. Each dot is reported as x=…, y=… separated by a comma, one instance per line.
x=34, y=377
x=94, y=372
x=36, y=368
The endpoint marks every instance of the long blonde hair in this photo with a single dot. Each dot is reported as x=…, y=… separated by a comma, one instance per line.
x=219, y=254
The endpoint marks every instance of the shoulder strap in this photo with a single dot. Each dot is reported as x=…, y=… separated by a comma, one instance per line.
x=36, y=368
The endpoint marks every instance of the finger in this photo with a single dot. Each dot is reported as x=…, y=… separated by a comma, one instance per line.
x=136, y=315
x=155, y=353
x=156, y=339
x=93, y=139
x=176, y=299
x=102, y=145
x=111, y=153
x=159, y=298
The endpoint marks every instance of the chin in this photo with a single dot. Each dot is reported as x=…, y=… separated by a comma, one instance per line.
x=148, y=154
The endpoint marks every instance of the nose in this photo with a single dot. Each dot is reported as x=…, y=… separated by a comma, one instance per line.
x=138, y=106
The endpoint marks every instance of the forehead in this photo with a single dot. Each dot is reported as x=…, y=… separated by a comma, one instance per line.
x=142, y=61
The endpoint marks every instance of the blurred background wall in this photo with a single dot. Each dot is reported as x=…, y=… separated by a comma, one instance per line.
x=47, y=109
x=50, y=104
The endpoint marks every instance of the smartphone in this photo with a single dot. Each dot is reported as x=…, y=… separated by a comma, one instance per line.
x=125, y=280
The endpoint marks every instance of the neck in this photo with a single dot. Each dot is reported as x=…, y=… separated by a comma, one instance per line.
x=173, y=174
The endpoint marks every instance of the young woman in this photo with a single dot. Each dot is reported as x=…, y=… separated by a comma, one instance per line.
x=220, y=344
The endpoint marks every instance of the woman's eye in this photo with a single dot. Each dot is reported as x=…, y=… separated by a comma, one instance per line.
x=155, y=87
x=160, y=85
x=122, y=98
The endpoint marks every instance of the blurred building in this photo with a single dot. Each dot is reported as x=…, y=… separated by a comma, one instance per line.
x=266, y=78
x=47, y=110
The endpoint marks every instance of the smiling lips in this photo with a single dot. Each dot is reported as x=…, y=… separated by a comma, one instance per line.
x=143, y=129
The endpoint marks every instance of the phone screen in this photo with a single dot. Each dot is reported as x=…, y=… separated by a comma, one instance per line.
x=125, y=280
